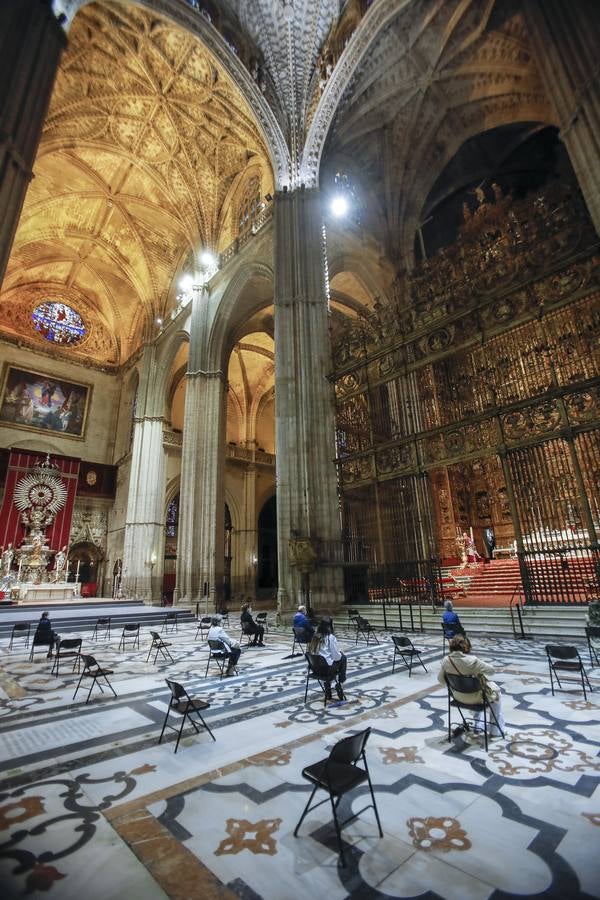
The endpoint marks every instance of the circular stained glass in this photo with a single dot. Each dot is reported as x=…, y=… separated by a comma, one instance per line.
x=58, y=323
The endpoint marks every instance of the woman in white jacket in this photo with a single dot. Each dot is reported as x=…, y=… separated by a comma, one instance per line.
x=461, y=662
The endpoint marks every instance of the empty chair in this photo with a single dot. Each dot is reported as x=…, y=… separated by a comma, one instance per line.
x=91, y=669
x=102, y=629
x=68, y=648
x=20, y=630
x=592, y=633
x=404, y=647
x=131, y=632
x=337, y=775
x=219, y=654
x=204, y=624
x=170, y=622
x=565, y=659
x=353, y=614
x=364, y=629
x=185, y=706
x=159, y=646
x=470, y=684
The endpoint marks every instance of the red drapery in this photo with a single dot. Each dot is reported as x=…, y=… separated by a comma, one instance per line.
x=19, y=464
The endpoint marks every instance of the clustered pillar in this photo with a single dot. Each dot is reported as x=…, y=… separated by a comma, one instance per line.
x=565, y=39
x=31, y=43
x=307, y=502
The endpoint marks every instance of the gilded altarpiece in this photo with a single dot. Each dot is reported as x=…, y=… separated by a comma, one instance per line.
x=472, y=400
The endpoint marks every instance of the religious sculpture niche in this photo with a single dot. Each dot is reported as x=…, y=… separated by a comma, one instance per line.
x=39, y=496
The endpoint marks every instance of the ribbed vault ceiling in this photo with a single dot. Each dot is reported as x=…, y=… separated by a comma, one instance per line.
x=145, y=148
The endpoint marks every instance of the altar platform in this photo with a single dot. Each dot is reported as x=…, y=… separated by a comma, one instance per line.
x=82, y=615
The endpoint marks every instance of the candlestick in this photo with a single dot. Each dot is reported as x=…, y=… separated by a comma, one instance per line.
x=471, y=532
x=20, y=567
x=77, y=572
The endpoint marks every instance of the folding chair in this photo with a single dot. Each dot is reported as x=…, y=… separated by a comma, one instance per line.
x=338, y=775
x=203, y=623
x=247, y=632
x=20, y=630
x=130, y=631
x=592, y=633
x=565, y=659
x=219, y=654
x=170, y=622
x=39, y=640
x=224, y=613
x=261, y=619
x=404, y=647
x=69, y=648
x=102, y=625
x=92, y=670
x=300, y=639
x=364, y=628
x=160, y=646
x=184, y=705
x=470, y=684
x=459, y=631
x=319, y=670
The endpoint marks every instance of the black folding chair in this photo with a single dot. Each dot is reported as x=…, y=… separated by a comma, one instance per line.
x=102, y=629
x=224, y=613
x=565, y=659
x=338, y=775
x=184, y=705
x=318, y=670
x=41, y=640
x=69, y=648
x=20, y=630
x=131, y=632
x=458, y=631
x=592, y=633
x=300, y=638
x=92, y=670
x=219, y=654
x=404, y=647
x=261, y=619
x=470, y=684
x=364, y=629
x=160, y=646
x=204, y=623
x=248, y=632
x=170, y=622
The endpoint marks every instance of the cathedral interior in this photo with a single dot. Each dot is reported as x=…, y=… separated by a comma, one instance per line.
x=299, y=303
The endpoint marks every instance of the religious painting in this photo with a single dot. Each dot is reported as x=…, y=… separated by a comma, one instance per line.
x=44, y=402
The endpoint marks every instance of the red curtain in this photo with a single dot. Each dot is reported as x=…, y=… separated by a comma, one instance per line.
x=19, y=464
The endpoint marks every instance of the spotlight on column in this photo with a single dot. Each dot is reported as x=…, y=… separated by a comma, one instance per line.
x=186, y=283
x=339, y=206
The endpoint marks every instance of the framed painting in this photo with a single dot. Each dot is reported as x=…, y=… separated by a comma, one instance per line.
x=44, y=403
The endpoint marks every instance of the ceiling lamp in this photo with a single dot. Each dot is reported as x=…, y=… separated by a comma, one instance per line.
x=339, y=206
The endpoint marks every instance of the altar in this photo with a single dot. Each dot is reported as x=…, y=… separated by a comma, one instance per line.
x=43, y=593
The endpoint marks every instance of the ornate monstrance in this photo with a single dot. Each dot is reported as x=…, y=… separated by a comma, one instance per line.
x=42, y=490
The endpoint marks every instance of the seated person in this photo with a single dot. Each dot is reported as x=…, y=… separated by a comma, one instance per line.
x=302, y=621
x=249, y=626
x=325, y=644
x=460, y=661
x=592, y=616
x=450, y=621
x=45, y=635
x=216, y=632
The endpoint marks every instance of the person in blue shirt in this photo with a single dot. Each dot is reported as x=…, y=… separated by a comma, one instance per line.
x=450, y=621
x=302, y=621
x=45, y=635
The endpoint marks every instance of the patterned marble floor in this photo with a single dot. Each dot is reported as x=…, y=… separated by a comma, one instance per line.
x=91, y=805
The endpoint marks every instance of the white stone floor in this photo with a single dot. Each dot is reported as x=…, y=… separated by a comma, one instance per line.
x=91, y=804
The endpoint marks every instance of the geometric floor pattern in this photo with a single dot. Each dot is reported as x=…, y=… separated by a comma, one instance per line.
x=92, y=807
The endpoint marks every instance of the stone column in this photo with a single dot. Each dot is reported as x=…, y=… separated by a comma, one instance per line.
x=143, y=556
x=31, y=42
x=307, y=501
x=247, y=543
x=566, y=41
x=200, y=545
